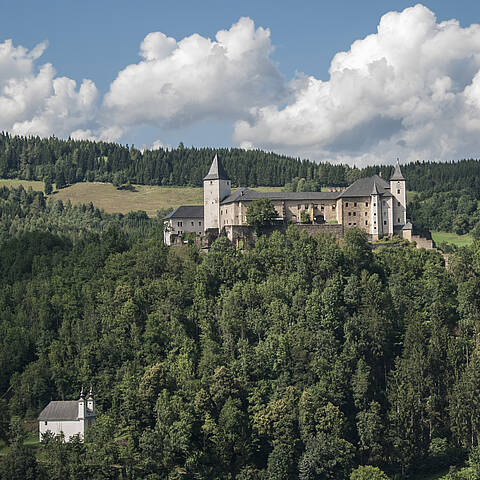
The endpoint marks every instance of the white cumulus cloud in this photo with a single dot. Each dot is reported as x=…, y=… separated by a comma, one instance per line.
x=411, y=90
x=33, y=101
x=196, y=78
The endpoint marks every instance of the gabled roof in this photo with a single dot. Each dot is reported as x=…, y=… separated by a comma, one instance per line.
x=246, y=195
x=189, y=211
x=364, y=187
x=216, y=171
x=397, y=174
x=60, y=410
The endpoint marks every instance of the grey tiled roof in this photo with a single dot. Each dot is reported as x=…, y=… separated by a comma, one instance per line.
x=60, y=410
x=397, y=174
x=246, y=195
x=189, y=211
x=216, y=171
x=363, y=187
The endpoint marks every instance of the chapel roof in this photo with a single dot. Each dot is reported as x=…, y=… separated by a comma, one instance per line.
x=60, y=410
x=189, y=211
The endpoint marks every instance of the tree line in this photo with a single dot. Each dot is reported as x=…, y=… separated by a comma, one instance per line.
x=70, y=161
x=23, y=211
x=303, y=357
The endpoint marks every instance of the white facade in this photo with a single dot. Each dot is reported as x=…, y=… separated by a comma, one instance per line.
x=176, y=227
x=69, y=428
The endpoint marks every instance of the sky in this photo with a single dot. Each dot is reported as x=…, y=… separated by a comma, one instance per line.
x=344, y=81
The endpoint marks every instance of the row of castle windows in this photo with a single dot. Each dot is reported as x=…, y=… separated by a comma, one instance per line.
x=180, y=224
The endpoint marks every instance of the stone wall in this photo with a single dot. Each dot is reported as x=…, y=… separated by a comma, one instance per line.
x=324, y=228
x=244, y=235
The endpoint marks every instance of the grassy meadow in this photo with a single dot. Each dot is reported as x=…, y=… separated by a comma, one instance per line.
x=452, y=238
x=149, y=198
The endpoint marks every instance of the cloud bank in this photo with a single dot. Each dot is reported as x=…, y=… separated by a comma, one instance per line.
x=411, y=90
x=179, y=83
x=36, y=102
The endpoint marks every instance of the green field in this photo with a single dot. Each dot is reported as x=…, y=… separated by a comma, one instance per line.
x=453, y=238
x=26, y=183
x=30, y=441
x=145, y=197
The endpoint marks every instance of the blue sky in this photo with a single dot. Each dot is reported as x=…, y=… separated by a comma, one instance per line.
x=98, y=40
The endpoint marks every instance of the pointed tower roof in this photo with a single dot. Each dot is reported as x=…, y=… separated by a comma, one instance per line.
x=90, y=395
x=374, y=189
x=216, y=171
x=82, y=396
x=397, y=174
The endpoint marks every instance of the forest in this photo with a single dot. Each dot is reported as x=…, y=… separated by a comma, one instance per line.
x=447, y=194
x=301, y=358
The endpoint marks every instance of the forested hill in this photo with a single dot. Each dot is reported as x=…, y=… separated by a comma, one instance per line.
x=302, y=358
x=70, y=161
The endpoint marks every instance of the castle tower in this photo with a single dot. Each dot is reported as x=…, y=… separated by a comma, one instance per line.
x=398, y=190
x=216, y=187
x=375, y=217
x=81, y=405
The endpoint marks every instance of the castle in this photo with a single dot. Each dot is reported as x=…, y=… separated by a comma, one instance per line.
x=372, y=204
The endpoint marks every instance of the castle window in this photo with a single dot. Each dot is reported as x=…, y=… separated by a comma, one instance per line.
x=366, y=214
x=354, y=214
x=322, y=207
x=384, y=203
x=354, y=204
x=193, y=223
x=333, y=207
x=375, y=222
x=299, y=207
x=398, y=190
x=354, y=223
x=374, y=204
x=384, y=222
x=374, y=214
x=398, y=220
x=45, y=422
x=349, y=214
x=199, y=224
x=346, y=204
x=366, y=204
x=374, y=228
x=398, y=204
x=211, y=182
x=366, y=222
x=179, y=224
x=350, y=223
